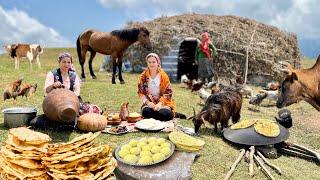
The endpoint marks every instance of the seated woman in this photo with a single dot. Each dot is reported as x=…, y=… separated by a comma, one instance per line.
x=64, y=76
x=155, y=91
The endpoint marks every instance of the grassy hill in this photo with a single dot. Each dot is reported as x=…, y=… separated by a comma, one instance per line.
x=217, y=155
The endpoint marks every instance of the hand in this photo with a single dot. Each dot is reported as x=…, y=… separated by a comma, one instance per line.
x=57, y=84
x=158, y=106
x=150, y=104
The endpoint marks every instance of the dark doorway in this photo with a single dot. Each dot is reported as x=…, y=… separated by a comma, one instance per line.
x=186, y=59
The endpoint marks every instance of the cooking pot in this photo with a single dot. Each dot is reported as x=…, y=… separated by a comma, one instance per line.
x=18, y=116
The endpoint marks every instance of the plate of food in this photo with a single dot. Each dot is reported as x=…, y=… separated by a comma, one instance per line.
x=117, y=130
x=144, y=151
x=150, y=125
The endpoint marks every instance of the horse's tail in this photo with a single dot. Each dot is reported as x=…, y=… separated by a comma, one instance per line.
x=79, y=50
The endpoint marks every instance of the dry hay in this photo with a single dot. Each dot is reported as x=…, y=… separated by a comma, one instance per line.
x=269, y=45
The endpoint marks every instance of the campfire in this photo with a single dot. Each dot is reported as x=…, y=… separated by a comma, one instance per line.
x=257, y=146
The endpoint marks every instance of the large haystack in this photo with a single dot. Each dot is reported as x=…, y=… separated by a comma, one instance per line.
x=267, y=44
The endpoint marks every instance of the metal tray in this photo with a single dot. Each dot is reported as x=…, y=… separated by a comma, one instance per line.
x=249, y=136
x=172, y=148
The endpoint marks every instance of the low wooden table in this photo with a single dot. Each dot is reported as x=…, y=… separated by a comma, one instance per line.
x=178, y=166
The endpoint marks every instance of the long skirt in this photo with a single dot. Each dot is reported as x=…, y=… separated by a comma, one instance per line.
x=205, y=69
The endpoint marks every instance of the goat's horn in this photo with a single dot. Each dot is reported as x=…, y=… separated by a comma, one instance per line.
x=202, y=118
x=194, y=112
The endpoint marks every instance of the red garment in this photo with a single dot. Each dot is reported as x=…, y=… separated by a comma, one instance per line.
x=204, y=45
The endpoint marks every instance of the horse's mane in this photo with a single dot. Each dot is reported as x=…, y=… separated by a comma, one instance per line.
x=129, y=34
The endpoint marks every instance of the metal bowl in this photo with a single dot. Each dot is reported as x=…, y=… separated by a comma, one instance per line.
x=18, y=116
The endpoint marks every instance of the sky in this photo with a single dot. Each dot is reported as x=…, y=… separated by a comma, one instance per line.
x=58, y=23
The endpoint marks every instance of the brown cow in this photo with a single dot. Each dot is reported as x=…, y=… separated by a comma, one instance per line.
x=301, y=84
x=30, y=51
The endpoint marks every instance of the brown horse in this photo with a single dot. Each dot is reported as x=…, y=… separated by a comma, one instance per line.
x=114, y=43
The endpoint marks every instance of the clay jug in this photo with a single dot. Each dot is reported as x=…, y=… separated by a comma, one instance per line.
x=61, y=105
x=124, y=112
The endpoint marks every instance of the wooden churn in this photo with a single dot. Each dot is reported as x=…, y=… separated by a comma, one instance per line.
x=61, y=105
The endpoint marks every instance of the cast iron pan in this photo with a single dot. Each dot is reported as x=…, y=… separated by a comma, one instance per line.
x=249, y=136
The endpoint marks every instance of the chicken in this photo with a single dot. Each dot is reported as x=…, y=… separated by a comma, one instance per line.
x=197, y=86
x=257, y=99
x=12, y=89
x=32, y=90
x=271, y=95
x=27, y=90
x=204, y=94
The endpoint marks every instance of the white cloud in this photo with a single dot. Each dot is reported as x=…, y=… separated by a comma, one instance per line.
x=298, y=16
x=18, y=27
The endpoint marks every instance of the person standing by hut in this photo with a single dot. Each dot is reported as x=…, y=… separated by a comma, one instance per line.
x=205, y=54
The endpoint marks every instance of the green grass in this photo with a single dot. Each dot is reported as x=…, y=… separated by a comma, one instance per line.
x=217, y=155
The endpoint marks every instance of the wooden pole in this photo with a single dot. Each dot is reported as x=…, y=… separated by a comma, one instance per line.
x=234, y=165
x=247, y=54
x=231, y=52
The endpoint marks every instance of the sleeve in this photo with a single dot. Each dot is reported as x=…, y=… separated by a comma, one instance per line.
x=168, y=92
x=141, y=88
x=197, y=53
x=49, y=81
x=76, y=87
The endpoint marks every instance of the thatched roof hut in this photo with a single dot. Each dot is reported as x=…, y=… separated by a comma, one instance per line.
x=236, y=37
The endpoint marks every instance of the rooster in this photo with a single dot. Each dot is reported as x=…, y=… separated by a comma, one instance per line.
x=27, y=90
x=12, y=89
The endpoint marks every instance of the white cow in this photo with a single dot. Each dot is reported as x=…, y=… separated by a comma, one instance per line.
x=30, y=51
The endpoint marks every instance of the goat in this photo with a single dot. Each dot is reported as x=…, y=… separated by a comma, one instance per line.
x=219, y=107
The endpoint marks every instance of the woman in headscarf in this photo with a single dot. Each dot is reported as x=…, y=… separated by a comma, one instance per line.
x=205, y=53
x=64, y=76
x=155, y=92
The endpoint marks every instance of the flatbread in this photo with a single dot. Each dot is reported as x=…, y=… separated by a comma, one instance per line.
x=29, y=136
x=243, y=124
x=267, y=128
x=185, y=140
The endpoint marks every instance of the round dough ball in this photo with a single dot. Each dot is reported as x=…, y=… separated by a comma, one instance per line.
x=145, y=160
x=130, y=158
x=135, y=151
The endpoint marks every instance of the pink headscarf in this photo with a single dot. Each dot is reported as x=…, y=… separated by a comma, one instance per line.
x=155, y=56
x=204, y=45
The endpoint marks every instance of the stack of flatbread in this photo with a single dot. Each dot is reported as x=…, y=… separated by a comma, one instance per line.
x=20, y=156
x=80, y=159
x=184, y=142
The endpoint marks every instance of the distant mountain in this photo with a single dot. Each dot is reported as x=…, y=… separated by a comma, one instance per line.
x=309, y=47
